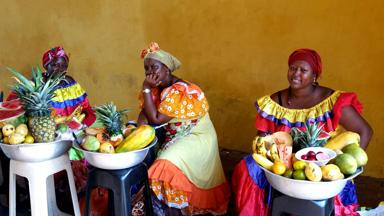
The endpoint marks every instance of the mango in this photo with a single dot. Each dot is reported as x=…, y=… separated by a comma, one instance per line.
x=90, y=143
x=347, y=163
x=106, y=148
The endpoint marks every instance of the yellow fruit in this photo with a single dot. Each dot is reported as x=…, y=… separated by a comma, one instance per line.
x=29, y=139
x=343, y=139
x=262, y=161
x=313, y=172
x=8, y=129
x=22, y=129
x=299, y=175
x=106, y=148
x=16, y=138
x=299, y=165
x=331, y=172
x=138, y=139
x=278, y=168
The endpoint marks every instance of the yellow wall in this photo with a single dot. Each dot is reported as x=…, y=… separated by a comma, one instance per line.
x=235, y=50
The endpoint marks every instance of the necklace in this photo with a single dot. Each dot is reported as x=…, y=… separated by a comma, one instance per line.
x=290, y=96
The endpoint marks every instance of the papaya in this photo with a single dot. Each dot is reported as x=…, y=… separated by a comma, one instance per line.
x=138, y=139
x=342, y=140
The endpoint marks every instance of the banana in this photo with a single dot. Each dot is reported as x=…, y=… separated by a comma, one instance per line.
x=262, y=161
x=274, y=152
x=340, y=141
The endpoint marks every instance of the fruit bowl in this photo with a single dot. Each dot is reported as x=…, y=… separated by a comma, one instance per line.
x=36, y=152
x=321, y=156
x=115, y=161
x=308, y=190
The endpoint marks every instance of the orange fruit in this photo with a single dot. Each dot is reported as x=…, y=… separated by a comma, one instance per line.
x=278, y=168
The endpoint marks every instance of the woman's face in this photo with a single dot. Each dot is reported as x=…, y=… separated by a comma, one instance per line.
x=57, y=66
x=152, y=66
x=300, y=75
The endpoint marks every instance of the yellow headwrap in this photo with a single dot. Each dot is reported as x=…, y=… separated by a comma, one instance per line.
x=154, y=52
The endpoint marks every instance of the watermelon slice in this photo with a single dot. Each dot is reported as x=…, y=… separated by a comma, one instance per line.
x=12, y=112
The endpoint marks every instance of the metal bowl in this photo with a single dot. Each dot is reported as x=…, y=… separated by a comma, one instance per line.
x=36, y=152
x=117, y=160
x=308, y=190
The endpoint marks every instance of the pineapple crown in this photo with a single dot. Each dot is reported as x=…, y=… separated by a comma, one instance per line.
x=313, y=135
x=111, y=118
x=36, y=94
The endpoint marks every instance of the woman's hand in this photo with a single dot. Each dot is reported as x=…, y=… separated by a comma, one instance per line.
x=151, y=81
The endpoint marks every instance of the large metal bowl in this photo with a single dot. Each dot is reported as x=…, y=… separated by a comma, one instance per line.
x=36, y=152
x=117, y=160
x=308, y=190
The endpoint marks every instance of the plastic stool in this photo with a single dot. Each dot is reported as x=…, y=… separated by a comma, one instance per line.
x=287, y=204
x=41, y=185
x=119, y=184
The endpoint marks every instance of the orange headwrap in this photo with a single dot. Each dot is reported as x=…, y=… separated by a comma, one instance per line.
x=309, y=56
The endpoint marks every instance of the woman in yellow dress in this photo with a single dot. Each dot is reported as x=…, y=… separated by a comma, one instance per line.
x=187, y=176
x=303, y=102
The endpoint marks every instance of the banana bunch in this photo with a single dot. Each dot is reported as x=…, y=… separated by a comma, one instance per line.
x=258, y=146
x=265, y=151
x=343, y=139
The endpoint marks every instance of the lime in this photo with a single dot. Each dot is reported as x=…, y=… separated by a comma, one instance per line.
x=278, y=168
x=288, y=173
x=299, y=165
x=299, y=174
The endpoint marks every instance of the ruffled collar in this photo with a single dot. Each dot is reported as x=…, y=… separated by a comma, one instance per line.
x=268, y=108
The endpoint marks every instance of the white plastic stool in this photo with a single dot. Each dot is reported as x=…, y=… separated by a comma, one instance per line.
x=41, y=185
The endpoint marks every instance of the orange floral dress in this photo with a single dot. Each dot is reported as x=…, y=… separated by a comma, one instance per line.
x=187, y=173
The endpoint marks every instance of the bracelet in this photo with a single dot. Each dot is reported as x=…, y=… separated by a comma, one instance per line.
x=146, y=90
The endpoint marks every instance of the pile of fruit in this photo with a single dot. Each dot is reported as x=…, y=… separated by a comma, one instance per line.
x=274, y=153
x=29, y=118
x=114, y=137
x=15, y=135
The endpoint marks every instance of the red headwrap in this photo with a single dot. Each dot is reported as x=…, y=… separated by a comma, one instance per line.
x=53, y=54
x=309, y=56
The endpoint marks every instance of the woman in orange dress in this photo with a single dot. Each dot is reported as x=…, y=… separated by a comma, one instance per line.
x=187, y=176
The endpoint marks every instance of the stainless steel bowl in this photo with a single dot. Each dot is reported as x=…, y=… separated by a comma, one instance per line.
x=308, y=190
x=117, y=160
x=36, y=152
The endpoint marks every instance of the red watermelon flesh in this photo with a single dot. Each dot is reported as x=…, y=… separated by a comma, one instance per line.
x=10, y=109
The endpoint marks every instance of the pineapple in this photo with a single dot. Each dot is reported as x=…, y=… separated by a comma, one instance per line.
x=112, y=120
x=312, y=136
x=36, y=96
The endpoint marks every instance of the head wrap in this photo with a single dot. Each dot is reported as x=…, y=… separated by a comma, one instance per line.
x=154, y=52
x=53, y=54
x=309, y=56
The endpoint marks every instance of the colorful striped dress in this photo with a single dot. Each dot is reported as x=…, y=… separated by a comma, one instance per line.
x=69, y=96
x=249, y=183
